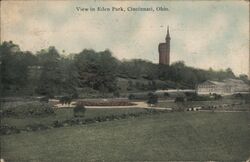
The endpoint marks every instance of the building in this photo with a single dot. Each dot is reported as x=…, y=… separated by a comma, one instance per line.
x=237, y=86
x=226, y=87
x=164, y=50
x=210, y=87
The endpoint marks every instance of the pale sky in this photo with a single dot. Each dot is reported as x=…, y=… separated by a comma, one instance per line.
x=203, y=33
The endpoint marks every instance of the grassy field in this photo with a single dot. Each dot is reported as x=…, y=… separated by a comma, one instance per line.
x=164, y=103
x=169, y=136
x=64, y=114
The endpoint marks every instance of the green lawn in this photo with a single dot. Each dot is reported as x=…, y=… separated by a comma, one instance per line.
x=64, y=114
x=162, y=137
x=205, y=103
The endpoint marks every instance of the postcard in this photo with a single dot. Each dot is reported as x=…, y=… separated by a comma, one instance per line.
x=112, y=80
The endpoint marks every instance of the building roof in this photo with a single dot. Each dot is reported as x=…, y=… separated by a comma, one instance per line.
x=234, y=81
x=226, y=82
x=214, y=82
x=217, y=83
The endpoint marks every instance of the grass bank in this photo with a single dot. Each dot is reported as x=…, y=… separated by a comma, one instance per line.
x=170, y=136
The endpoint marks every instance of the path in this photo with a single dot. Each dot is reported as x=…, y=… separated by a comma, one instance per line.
x=137, y=105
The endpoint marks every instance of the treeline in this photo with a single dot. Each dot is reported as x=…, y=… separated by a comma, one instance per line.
x=48, y=72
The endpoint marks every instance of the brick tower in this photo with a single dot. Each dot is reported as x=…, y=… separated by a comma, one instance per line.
x=164, y=50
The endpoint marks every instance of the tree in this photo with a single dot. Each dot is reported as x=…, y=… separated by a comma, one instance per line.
x=230, y=73
x=50, y=73
x=14, y=67
x=152, y=99
x=244, y=77
x=69, y=76
x=97, y=70
x=50, y=79
x=137, y=68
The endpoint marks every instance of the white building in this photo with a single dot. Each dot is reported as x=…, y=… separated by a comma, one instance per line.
x=237, y=86
x=226, y=87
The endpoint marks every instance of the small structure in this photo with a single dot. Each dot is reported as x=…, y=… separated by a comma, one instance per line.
x=226, y=87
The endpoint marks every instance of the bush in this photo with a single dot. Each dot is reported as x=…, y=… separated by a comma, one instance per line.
x=131, y=97
x=35, y=127
x=44, y=99
x=247, y=98
x=57, y=124
x=75, y=95
x=116, y=94
x=27, y=109
x=217, y=96
x=179, y=99
x=79, y=110
x=238, y=95
x=152, y=98
x=201, y=98
x=7, y=113
x=166, y=94
x=65, y=100
x=6, y=130
x=105, y=103
x=150, y=111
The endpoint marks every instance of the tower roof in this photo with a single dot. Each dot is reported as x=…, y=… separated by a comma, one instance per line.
x=168, y=35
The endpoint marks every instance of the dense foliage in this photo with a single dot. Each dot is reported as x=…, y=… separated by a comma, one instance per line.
x=79, y=110
x=50, y=73
x=152, y=99
x=25, y=109
x=96, y=70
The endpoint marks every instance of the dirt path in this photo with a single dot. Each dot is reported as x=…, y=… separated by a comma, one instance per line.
x=137, y=105
x=221, y=111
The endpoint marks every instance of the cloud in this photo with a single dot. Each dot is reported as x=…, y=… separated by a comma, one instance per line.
x=197, y=38
x=237, y=57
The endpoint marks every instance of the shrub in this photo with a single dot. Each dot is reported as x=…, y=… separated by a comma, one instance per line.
x=245, y=97
x=57, y=124
x=166, y=94
x=44, y=99
x=8, y=113
x=179, y=99
x=217, y=96
x=35, y=127
x=191, y=94
x=75, y=95
x=238, y=95
x=150, y=111
x=152, y=98
x=131, y=97
x=116, y=94
x=79, y=110
x=39, y=109
x=6, y=130
x=28, y=109
x=105, y=103
x=201, y=98
x=65, y=100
